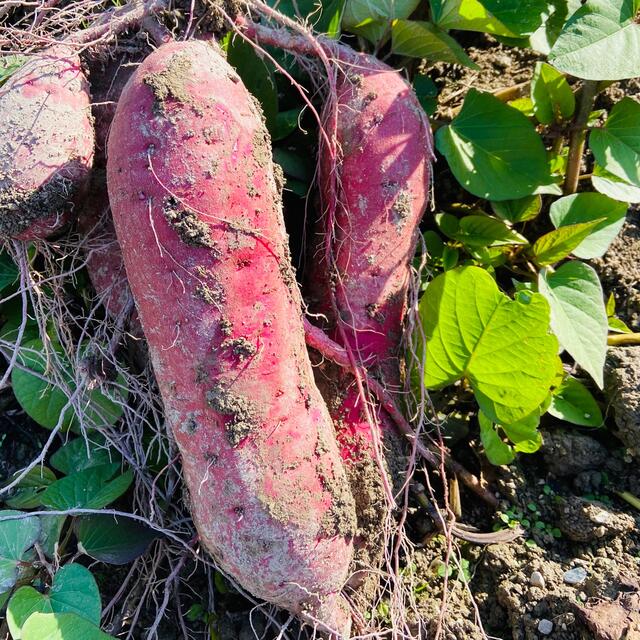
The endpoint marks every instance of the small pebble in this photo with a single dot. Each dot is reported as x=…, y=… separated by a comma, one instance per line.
x=575, y=576
x=536, y=580
x=545, y=627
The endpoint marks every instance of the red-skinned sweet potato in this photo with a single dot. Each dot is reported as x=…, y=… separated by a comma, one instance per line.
x=198, y=215
x=373, y=195
x=46, y=144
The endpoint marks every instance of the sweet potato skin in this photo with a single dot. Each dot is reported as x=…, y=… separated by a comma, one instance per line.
x=197, y=212
x=46, y=144
x=382, y=179
x=384, y=160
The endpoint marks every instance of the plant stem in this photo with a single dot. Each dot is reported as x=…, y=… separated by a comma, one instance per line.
x=630, y=498
x=317, y=339
x=579, y=135
x=620, y=339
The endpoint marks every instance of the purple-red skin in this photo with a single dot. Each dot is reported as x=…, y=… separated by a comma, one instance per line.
x=385, y=151
x=374, y=207
x=46, y=144
x=198, y=215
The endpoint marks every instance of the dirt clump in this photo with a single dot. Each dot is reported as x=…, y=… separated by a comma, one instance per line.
x=622, y=389
x=568, y=453
x=583, y=520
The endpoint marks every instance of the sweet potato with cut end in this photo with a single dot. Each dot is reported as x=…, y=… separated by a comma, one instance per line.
x=198, y=215
x=46, y=144
x=379, y=184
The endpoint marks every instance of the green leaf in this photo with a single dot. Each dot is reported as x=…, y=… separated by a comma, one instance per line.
x=79, y=454
x=16, y=538
x=501, y=17
x=587, y=207
x=50, y=530
x=372, y=18
x=523, y=105
x=556, y=14
x=483, y=231
x=611, y=305
x=553, y=100
x=557, y=245
x=501, y=346
x=113, y=540
x=44, y=402
x=618, y=326
x=616, y=147
x=493, y=150
x=574, y=403
x=27, y=495
x=426, y=92
x=257, y=76
x=8, y=271
x=497, y=451
x=600, y=41
x=73, y=590
x=578, y=314
x=614, y=187
x=519, y=210
x=425, y=40
x=61, y=626
x=91, y=488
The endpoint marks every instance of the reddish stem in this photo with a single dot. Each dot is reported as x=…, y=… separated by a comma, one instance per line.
x=318, y=340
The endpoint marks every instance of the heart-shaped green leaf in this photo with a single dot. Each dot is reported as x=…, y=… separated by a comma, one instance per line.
x=61, y=626
x=578, y=314
x=587, y=207
x=503, y=347
x=16, y=537
x=74, y=590
x=493, y=150
x=92, y=488
x=600, y=41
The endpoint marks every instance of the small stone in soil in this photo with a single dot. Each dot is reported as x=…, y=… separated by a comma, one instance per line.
x=536, y=580
x=545, y=627
x=575, y=576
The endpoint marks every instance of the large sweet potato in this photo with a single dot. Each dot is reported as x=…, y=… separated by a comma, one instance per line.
x=374, y=192
x=197, y=212
x=46, y=144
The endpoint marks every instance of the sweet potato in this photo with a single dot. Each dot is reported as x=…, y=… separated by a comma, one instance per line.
x=104, y=259
x=373, y=195
x=46, y=144
x=197, y=212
